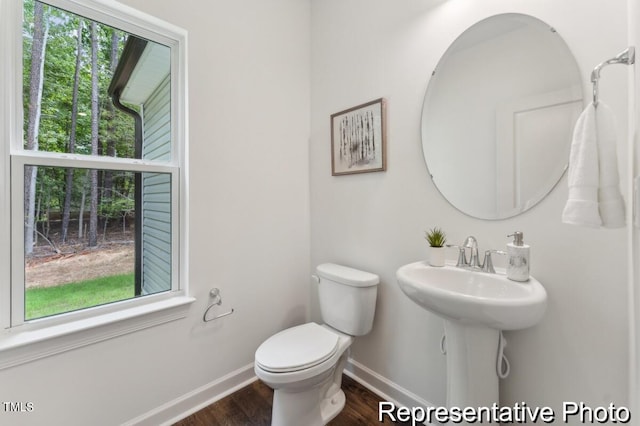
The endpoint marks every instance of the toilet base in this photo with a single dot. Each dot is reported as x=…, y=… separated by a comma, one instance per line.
x=331, y=407
x=295, y=408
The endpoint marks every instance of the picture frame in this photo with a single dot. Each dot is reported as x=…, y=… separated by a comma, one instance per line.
x=358, y=139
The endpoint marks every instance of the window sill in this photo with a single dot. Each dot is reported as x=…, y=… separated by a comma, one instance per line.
x=21, y=344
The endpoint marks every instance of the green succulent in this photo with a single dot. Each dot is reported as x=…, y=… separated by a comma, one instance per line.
x=435, y=237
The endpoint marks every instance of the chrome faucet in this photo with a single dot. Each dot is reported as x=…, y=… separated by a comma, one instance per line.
x=471, y=243
x=474, y=262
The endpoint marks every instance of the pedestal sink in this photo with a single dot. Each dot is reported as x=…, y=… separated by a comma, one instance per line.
x=476, y=307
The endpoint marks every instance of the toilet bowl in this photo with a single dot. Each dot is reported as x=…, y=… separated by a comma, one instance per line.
x=306, y=377
x=304, y=364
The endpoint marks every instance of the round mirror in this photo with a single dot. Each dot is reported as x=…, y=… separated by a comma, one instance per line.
x=498, y=116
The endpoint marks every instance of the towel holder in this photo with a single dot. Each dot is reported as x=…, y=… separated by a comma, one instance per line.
x=217, y=301
x=626, y=57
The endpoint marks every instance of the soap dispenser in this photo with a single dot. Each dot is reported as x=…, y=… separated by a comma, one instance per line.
x=517, y=258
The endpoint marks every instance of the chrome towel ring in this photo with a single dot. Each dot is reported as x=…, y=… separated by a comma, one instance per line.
x=217, y=301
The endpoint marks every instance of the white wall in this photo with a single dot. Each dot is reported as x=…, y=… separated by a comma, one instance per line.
x=365, y=49
x=249, y=221
x=634, y=242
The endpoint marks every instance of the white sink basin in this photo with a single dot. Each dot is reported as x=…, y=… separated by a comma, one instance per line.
x=472, y=297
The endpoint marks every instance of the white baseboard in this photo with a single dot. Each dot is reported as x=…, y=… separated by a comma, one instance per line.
x=384, y=387
x=181, y=407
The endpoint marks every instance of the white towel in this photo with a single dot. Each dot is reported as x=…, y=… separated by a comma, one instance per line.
x=594, y=194
x=609, y=197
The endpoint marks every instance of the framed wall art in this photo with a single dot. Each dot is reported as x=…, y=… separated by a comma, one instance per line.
x=358, y=139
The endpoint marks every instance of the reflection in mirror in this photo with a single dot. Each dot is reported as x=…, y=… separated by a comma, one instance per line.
x=93, y=90
x=498, y=116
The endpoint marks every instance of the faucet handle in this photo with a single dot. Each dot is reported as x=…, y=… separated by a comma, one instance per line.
x=487, y=265
x=462, y=255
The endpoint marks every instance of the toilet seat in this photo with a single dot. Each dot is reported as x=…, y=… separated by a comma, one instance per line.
x=297, y=348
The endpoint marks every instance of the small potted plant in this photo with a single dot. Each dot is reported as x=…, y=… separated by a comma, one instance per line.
x=436, y=239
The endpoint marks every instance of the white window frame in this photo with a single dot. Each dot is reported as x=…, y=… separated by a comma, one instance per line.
x=23, y=341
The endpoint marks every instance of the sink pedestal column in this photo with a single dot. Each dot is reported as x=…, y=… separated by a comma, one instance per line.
x=472, y=350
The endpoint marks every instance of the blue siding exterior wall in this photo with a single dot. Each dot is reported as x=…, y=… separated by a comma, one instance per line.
x=156, y=193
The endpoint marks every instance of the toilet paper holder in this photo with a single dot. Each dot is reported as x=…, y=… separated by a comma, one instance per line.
x=217, y=301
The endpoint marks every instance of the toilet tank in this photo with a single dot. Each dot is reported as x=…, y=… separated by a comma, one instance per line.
x=347, y=298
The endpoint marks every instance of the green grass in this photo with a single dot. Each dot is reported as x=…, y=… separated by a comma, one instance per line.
x=45, y=301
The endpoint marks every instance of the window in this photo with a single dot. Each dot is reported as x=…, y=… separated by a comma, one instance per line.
x=95, y=177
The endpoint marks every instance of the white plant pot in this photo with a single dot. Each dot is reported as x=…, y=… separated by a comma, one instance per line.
x=436, y=256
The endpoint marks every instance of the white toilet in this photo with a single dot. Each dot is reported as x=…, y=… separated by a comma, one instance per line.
x=304, y=364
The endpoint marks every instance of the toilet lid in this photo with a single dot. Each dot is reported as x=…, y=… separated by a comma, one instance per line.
x=297, y=348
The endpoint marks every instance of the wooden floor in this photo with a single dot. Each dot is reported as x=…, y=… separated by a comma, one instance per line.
x=251, y=406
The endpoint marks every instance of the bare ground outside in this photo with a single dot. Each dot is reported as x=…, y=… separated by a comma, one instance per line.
x=75, y=262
